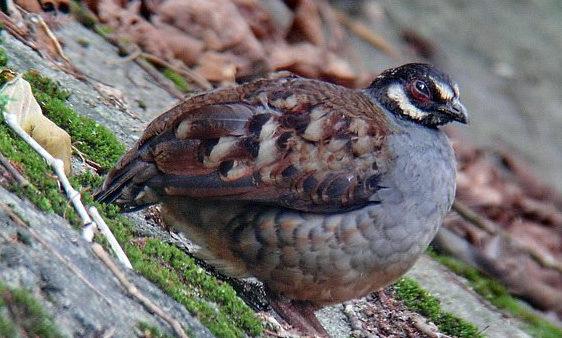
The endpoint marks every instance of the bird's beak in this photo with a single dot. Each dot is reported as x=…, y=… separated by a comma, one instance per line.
x=456, y=111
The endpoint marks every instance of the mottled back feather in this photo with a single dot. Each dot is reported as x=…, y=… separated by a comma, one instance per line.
x=295, y=142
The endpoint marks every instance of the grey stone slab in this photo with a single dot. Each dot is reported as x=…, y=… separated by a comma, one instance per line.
x=76, y=309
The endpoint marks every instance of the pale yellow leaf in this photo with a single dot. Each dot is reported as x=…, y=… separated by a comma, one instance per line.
x=23, y=105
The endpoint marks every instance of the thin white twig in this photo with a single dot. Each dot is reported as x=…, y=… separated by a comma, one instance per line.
x=104, y=229
x=58, y=167
x=89, y=226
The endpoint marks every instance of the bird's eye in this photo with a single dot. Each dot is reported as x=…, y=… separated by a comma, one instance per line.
x=420, y=90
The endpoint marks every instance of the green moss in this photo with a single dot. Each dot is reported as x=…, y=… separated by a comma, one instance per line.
x=87, y=19
x=103, y=30
x=44, y=189
x=142, y=105
x=170, y=268
x=3, y=58
x=7, y=329
x=177, y=79
x=498, y=295
x=25, y=313
x=179, y=275
x=82, y=15
x=418, y=300
x=149, y=331
x=83, y=42
x=3, y=102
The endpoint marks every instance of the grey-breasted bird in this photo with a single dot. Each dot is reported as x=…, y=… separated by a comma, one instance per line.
x=323, y=193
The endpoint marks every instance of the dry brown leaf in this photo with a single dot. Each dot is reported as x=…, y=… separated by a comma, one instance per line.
x=307, y=24
x=150, y=7
x=252, y=36
x=311, y=61
x=337, y=70
x=257, y=15
x=218, y=67
x=502, y=190
x=34, y=31
x=135, y=28
x=215, y=22
x=23, y=105
x=60, y=6
x=31, y=6
x=300, y=58
x=183, y=46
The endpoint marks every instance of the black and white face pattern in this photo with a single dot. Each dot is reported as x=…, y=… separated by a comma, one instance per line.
x=421, y=93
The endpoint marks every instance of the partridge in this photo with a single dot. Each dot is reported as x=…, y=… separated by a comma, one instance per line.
x=323, y=193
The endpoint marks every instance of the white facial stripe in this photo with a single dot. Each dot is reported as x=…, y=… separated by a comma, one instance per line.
x=445, y=91
x=396, y=94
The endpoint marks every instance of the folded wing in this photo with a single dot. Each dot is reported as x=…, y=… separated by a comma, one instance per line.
x=295, y=142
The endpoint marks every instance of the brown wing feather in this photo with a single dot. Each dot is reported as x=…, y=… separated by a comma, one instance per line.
x=295, y=142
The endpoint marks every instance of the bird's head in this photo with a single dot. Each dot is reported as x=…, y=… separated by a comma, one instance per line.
x=421, y=93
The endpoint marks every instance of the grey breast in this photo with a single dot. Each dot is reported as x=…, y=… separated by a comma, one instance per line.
x=419, y=187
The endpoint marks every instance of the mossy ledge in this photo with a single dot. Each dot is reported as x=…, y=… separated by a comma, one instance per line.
x=165, y=265
x=24, y=315
x=499, y=296
x=418, y=300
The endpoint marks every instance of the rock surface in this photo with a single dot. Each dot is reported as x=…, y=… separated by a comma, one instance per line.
x=77, y=309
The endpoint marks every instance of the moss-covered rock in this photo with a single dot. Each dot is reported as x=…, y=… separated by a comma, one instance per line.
x=418, y=300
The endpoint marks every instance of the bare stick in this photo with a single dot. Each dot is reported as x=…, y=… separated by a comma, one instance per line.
x=354, y=320
x=133, y=291
x=17, y=176
x=160, y=79
x=96, y=166
x=471, y=216
x=366, y=33
x=54, y=40
x=193, y=76
x=541, y=256
x=104, y=229
x=428, y=329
